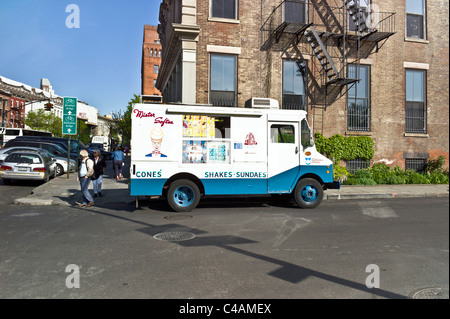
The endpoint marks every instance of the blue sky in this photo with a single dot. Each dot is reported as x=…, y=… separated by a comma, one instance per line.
x=99, y=62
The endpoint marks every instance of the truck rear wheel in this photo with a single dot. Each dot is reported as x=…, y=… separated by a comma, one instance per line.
x=308, y=193
x=183, y=195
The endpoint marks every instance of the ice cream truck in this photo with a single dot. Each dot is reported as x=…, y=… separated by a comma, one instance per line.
x=186, y=152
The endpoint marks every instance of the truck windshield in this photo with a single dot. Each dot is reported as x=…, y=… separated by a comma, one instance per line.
x=307, y=139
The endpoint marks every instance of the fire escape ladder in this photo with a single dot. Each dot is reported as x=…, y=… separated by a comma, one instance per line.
x=321, y=53
x=357, y=15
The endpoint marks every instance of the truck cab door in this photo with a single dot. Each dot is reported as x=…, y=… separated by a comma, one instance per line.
x=283, y=160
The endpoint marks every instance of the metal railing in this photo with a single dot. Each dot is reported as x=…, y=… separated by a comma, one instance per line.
x=325, y=18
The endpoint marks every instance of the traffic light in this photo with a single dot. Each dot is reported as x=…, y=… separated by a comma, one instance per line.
x=48, y=106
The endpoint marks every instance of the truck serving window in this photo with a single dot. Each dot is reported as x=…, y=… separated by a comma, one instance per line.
x=204, y=139
x=206, y=126
x=280, y=133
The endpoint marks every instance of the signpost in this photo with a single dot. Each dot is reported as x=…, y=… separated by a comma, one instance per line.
x=69, y=125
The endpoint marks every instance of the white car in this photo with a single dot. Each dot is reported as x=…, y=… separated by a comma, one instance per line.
x=61, y=163
x=27, y=165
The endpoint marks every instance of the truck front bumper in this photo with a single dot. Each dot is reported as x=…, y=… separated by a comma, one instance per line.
x=333, y=185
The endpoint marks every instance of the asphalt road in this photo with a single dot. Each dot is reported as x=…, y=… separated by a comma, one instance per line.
x=227, y=249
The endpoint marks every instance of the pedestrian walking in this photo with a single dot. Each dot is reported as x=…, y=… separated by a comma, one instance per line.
x=84, y=175
x=118, y=157
x=99, y=169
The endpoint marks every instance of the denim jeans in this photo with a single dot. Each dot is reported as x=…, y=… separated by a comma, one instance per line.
x=97, y=184
x=84, y=184
x=117, y=168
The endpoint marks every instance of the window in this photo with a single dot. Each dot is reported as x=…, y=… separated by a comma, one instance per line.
x=416, y=164
x=295, y=11
x=358, y=99
x=156, y=69
x=358, y=163
x=204, y=139
x=223, y=80
x=294, y=92
x=415, y=112
x=415, y=19
x=306, y=136
x=224, y=9
x=154, y=83
x=282, y=133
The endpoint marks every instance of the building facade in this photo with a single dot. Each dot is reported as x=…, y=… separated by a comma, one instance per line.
x=151, y=61
x=360, y=68
x=17, y=99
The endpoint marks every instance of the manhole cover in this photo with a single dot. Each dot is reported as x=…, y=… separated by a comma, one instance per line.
x=174, y=236
x=177, y=217
x=432, y=293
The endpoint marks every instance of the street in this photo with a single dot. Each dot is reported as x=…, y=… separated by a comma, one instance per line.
x=226, y=249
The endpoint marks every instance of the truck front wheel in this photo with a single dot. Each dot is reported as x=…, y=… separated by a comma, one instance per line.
x=308, y=193
x=183, y=195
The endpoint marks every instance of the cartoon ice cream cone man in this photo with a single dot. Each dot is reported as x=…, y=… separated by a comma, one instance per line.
x=156, y=136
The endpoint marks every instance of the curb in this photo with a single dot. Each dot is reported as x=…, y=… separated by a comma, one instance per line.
x=383, y=195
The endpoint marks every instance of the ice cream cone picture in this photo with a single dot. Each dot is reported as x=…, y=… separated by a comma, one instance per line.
x=156, y=136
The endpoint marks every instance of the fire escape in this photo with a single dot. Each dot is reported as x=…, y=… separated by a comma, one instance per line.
x=330, y=37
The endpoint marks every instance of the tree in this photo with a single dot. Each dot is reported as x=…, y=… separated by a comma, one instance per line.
x=123, y=120
x=44, y=121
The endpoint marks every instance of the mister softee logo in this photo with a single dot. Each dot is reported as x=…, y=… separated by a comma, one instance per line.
x=158, y=120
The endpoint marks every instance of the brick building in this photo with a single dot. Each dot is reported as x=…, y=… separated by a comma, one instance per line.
x=373, y=68
x=151, y=61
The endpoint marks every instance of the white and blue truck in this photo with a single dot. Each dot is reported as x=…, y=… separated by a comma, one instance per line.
x=186, y=152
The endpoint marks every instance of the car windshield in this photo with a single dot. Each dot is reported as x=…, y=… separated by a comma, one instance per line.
x=23, y=158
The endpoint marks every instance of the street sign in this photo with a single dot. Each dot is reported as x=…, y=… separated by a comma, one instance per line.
x=69, y=126
x=70, y=106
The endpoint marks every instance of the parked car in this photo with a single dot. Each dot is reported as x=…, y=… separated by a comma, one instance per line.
x=75, y=145
x=95, y=145
x=56, y=149
x=61, y=162
x=28, y=165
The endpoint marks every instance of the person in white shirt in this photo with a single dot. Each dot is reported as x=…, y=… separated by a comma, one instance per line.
x=84, y=175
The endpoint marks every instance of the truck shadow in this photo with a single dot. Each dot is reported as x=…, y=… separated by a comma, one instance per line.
x=160, y=204
x=282, y=270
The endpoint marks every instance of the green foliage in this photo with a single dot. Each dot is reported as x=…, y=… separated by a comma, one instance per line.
x=348, y=148
x=340, y=173
x=438, y=177
x=123, y=126
x=382, y=174
x=44, y=121
x=436, y=164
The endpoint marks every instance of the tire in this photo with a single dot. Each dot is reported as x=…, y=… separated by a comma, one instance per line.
x=183, y=195
x=308, y=193
x=59, y=170
x=7, y=181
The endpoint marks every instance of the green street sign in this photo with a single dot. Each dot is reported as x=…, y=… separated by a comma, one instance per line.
x=70, y=106
x=69, y=125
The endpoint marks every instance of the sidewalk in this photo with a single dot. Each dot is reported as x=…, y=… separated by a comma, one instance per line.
x=63, y=191
x=387, y=191
x=66, y=192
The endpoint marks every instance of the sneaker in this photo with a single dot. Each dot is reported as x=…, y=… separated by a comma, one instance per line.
x=95, y=195
x=100, y=194
x=89, y=205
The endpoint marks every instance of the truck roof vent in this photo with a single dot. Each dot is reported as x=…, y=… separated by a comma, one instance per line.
x=264, y=103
